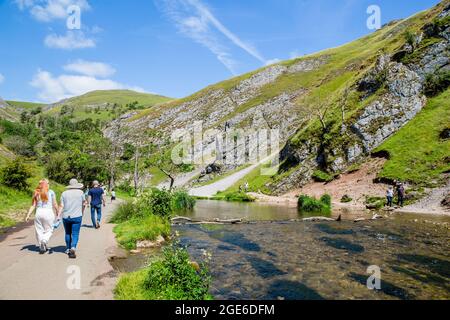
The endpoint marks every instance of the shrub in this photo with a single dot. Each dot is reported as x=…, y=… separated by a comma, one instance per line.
x=125, y=212
x=311, y=204
x=160, y=202
x=175, y=278
x=346, y=199
x=181, y=200
x=320, y=176
x=326, y=199
x=436, y=83
x=375, y=202
x=57, y=167
x=15, y=175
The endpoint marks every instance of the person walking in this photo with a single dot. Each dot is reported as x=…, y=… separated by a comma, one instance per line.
x=113, y=195
x=96, y=200
x=44, y=202
x=389, y=196
x=73, y=203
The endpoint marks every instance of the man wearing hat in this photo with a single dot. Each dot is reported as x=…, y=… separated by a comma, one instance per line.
x=71, y=210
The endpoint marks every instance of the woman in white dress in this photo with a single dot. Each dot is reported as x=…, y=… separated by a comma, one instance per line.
x=44, y=201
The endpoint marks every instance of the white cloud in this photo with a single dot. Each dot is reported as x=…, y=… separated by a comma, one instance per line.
x=90, y=68
x=48, y=10
x=55, y=88
x=294, y=54
x=71, y=40
x=2, y=78
x=195, y=20
x=272, y=61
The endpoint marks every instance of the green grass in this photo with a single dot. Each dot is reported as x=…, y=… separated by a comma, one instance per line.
x=233, y=197
x=157, y=176
x=16, y=203
x=417, y=153
x=148, y=228
x=117, y=96
x=131, y=286
x=25, y=105
x=85, y=105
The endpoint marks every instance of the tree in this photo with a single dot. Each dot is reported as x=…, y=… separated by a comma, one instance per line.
x=15, y=175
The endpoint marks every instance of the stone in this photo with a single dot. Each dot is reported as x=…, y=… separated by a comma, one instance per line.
x=195, y=265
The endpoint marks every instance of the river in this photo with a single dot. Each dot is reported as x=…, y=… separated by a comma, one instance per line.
x=275, y=258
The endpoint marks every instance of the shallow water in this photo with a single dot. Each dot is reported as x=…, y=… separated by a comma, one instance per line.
x=319, y=260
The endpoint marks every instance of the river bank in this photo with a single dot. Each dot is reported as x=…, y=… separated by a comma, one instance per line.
x=359, y=185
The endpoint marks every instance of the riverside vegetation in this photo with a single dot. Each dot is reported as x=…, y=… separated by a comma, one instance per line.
x=173, y=276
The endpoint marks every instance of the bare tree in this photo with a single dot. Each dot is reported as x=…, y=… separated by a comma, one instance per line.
x=343, y=104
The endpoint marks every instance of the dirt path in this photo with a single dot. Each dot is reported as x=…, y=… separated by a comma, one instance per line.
x=210, y=190
x=25, y=274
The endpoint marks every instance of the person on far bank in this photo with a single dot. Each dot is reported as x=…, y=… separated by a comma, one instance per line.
x=73, y=203
x=389, y=196
x=400, y=194
x=96, y=200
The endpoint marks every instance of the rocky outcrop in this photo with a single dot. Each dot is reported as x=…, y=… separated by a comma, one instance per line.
x=223, y=110
x=394, y=109
x=3, y=103
x=399, y=101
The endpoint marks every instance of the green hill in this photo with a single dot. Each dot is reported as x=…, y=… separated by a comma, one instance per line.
x=105, y=105
x=332, y=108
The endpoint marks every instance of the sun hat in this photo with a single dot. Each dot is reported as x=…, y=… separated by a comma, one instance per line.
x=74, y=184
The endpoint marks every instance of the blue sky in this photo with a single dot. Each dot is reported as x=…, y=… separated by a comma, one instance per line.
x=170, y=47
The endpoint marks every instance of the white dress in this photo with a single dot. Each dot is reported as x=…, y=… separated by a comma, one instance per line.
x=45, y=218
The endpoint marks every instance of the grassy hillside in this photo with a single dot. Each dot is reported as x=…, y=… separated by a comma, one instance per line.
x=116, y=96
x=324, y=90
x=418, y=153
x=105, y=105
x=25, y=105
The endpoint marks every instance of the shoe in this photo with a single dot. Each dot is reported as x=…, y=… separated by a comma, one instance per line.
x=72, y=254
x=97, y=225
x=67, y=251
x=45, y=246
x=42, y=247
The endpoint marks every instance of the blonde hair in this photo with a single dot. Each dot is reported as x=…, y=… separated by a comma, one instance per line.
x=41, y=192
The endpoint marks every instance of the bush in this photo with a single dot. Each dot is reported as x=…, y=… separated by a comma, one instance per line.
x=346, y=199
x=311, y=204
x=175, y=277
x=15, y=175
x=375, y=202
x=436, y=83
x=320, y=176
x=181, y=200
x=326, y=199
x=160, y=202
x=57, y=167
x=125, y=212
